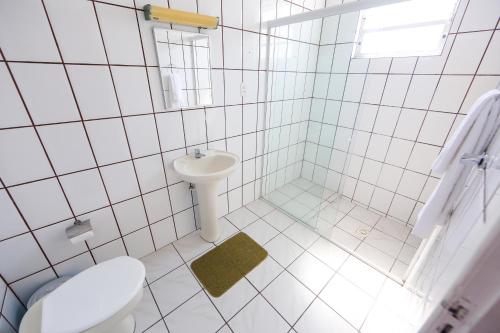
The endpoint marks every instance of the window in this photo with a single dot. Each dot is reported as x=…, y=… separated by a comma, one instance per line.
x=410, y=28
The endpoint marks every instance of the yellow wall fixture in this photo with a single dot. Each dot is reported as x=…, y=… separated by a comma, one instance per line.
x=162, y=14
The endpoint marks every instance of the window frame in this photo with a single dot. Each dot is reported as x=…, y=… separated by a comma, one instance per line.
x=360, y=32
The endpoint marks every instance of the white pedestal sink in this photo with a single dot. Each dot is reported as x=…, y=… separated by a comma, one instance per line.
x=205, y=172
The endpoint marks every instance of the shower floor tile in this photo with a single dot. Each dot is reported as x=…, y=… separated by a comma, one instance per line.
x=382, y=243
x=307, y=283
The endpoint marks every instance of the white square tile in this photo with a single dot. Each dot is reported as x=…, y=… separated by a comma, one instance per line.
x=85, y=191
x=363, y=276
x=399, y=152
x=384, y=243
x=422, y=157
x=489, y=65
x=232, y=84
x=373, y=88
x=74, y=265
x=171, y=130
x=301, y=235
x=24, y=161
x=320, y=318
x=401, y=207
x=311, y=272
x=421, y=91
x=161, y=262
x=450, y=93
x=28, y=259
x=120, y=32
x=10, y=100
x=41, y=202
x=409, y=123
x=234, y=299
x=163, y=232
x=120, y=181
x=370, y=171
x=216, y=128
x=387, y=118
x=353, y=226
x=395, y=89
x=406, y=254
x=278, y=220
x=283, y=250
x=241, y=217
x=28, y=285
x=366, y=117
x=404, y=65
x=411, y=184
x=185, y=222
x=157, y=206
x=381, y=319
x=34, y=44
x=264, y=273
x=180, y=197
x=480, y=15
x=130, y=215
x=104, y=225
x=232, y=13
x=194, y=127
x=377, y=148
x=258, y=316
x=67, y=146
x=13, y=223
x=260, y=207
x=150, y=173
x=196, y=315
x=344, y=239
x=77, y=32
x=132, y=89
x=393, y=228
x=250, y=49
x=109, y=250
x=233, y=54
x=260, y=231
x=146, y=313
x=467, y=52
x=234, y=118
x=141, y=132
x=108, y=140
x=288, y=296
x=364, y=215
x=347, y=300
x=139, y=243
x=192, y=245
x=46, y=91
x=56, y=246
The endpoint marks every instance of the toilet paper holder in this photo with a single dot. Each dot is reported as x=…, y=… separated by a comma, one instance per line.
x=79, y=231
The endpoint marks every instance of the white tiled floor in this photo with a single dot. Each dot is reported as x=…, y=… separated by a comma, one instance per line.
x=306, y=284
x=381, y=242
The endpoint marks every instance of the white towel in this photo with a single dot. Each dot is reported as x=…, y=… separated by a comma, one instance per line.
x=472, y=136
x=175, y=93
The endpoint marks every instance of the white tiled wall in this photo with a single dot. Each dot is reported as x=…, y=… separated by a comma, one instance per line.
x=84, y=132
x=376, y=125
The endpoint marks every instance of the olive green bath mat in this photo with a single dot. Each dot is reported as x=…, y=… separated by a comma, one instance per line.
x=219, y=269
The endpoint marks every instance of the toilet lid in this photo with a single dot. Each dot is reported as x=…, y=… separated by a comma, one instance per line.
x=92, y=296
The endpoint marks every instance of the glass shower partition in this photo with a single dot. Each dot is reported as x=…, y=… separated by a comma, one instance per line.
x=300, y=127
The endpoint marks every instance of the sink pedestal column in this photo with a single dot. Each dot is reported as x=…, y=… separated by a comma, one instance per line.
x=207, y=204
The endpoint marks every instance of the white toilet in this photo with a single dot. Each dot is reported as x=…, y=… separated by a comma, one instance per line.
x=99, y=299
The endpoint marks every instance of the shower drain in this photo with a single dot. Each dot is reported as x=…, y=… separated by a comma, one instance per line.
x=363, y=232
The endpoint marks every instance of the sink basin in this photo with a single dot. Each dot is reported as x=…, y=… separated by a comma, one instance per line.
x=212, y=167
x=205, y=173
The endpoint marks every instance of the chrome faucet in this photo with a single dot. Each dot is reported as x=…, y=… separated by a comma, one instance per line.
x=198, y=153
